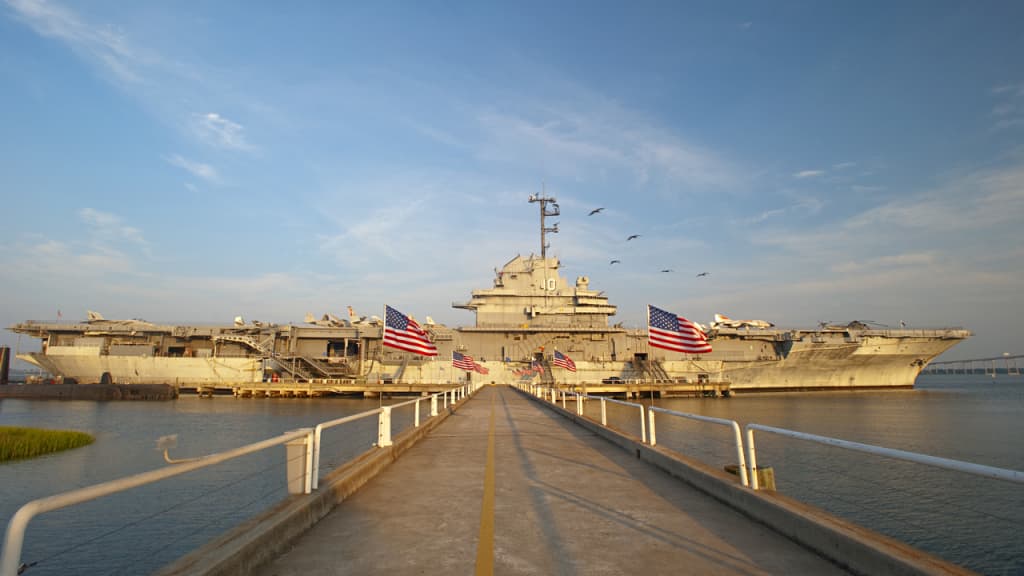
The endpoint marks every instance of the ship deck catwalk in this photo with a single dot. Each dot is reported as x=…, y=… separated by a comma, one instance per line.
x=505, y=486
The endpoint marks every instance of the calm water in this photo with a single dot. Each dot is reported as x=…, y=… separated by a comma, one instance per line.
x=971, y=521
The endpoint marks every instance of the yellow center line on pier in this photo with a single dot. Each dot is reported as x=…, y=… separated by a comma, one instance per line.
x=485, y=546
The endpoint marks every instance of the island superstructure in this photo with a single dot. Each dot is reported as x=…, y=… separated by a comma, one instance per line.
x=529, y=312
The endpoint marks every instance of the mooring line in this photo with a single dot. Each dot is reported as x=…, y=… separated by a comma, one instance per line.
x=485, y=545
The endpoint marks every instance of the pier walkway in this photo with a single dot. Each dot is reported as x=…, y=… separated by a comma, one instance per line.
x=505, y=486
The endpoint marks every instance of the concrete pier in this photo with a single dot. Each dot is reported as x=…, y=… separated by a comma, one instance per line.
x=505, y=486
x=511, y=484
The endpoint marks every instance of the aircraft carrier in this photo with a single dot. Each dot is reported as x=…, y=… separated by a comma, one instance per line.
x=528, y=313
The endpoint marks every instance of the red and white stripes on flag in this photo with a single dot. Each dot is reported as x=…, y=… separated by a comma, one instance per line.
x=564, y=361
x=671, y=332
x=402, y=332
x=463, y=361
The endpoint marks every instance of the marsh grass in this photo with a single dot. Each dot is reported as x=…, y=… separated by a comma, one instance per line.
x=17, y=443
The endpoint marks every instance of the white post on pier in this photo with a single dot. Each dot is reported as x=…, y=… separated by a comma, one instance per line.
x=650, y=432
x=384, y=427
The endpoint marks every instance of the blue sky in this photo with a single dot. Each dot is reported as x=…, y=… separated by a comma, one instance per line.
x=194, y=161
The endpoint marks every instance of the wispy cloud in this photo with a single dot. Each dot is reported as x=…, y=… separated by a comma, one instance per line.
x=862, y=189
x=388, y=233
x=996, y=197
x=106, y=225
x=798, y=204
x=161, y=83
x=604, y=139
x=204, y=171
x=103, y=45
x=844, y=165
x=908, y=259
x=436, y=134
x=808, y=174
x=1008, y=110
x=761, y=217
x=974, y=213
x=219, y=132
x=104, y=249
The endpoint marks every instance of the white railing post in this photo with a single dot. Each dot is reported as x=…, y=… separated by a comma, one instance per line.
x=650, y=414
x=309, y=461
x=416, y=419
x=554, y=396
x=579, y=405
x=563, y=399
x=433, y=405
x=643, y=426
x=604, y=412
x=316, y=454
x=738, y=436
x=384, y=427
x=751, y=459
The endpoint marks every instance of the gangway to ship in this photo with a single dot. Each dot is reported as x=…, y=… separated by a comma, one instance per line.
x=651, y=370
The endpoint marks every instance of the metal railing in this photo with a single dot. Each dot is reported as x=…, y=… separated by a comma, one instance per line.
x=747, y=456
x=949, y=464
x=15, y=535
x=448, y=397
x=310, y=438
x=737, y=436
x=545, y=392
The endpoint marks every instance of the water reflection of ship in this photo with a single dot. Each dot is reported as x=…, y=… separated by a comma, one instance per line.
x=528, y=313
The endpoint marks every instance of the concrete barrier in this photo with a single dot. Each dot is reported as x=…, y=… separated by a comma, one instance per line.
x=858, y=549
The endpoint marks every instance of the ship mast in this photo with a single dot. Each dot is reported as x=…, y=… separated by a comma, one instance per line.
x=544, y=212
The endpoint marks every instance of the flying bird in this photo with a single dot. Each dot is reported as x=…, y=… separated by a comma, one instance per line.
x=633, y=236
x=703, y=274
x=595, y=211
x=614, y=262
x=666, y=270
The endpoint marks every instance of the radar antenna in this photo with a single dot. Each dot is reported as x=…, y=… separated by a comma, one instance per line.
x=545, y=212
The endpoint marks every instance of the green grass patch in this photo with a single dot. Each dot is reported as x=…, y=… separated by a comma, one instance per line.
x=17, y=443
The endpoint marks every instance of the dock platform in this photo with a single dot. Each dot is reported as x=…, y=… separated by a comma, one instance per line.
x=506, y=486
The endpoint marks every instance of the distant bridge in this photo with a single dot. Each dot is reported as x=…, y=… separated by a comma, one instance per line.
x=1005, y=364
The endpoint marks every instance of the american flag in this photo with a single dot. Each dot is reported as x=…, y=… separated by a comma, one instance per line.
x=564, y=361
x=671, y=332
x=402, y=332
x=462, y=361
x=481, y=369
x=537, y=367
